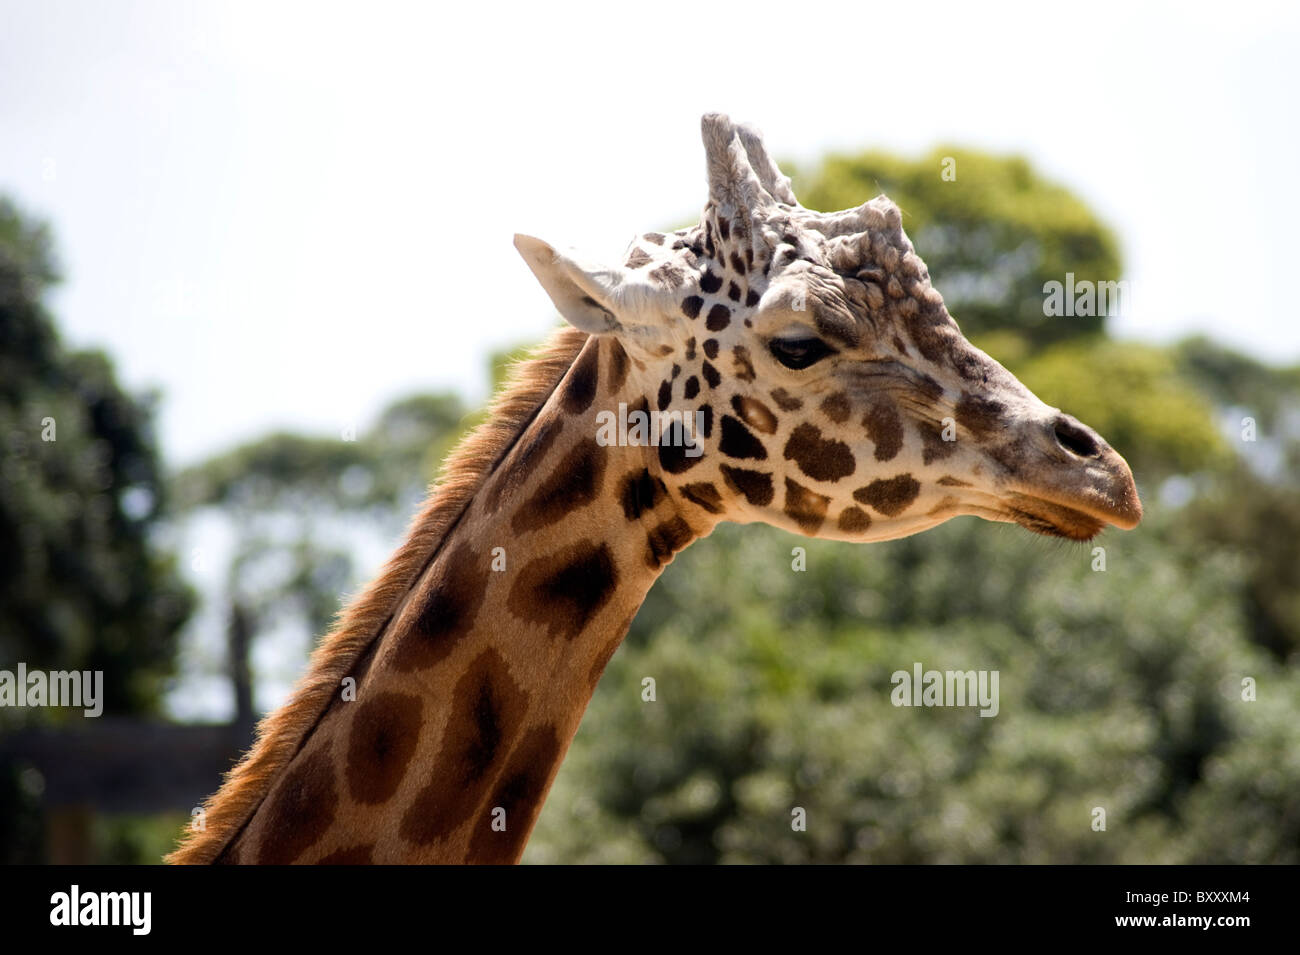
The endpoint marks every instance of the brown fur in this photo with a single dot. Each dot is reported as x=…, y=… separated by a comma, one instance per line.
x=282, y=733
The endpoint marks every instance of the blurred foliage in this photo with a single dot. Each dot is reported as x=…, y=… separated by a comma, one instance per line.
x=283, y=497
x=82, y=583
x=991, y=237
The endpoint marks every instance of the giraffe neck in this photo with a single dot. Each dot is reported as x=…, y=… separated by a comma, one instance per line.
x=466, y=704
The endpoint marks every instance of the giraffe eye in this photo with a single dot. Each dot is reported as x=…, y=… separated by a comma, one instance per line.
x=799, y=352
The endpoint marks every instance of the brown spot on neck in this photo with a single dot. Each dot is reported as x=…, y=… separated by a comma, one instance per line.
x=580, y=388
x=444, y=613
x=486, y=710
x=565, y=590
x=666, y=539
x=574, y=483
x=517, y=798
x=299, y=810
x=381, y=740
x=618, y=365
x=527, y=454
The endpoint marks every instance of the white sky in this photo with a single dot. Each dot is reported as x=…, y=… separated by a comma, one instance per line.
x=287, y=215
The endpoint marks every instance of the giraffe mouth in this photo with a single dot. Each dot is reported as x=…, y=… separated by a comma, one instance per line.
x=1053, y=520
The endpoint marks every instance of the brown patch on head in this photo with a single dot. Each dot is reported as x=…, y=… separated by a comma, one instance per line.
x=565, y=590
x=739, y=442
x=444, y=613
x=528, y=452
x=617, y=366
x=574, y=483
x=786, y=401
x=980, y=416
x=741, y=363
x=934, y=447
x=638, y=258
x=381, y=740
x=668, y=275
x=691, y=306
x=854, y=520
x=890, y=496
x=805, y=508
x=580, y=390
x=710, y=348
x=487, y=709
x=837, y=407
x=932, y=331
x=299, y=809
x=665, y=397
x=705, y=495
x=754, y=485
x=754, y=413
x=638, y=492
x=523, y=784
x=719, y=318
x=822, y=459
x=354, y=855
x=666, y=539
x=885, y=429
x=673, y=448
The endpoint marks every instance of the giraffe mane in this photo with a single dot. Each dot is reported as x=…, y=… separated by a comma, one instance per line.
x=281, y=734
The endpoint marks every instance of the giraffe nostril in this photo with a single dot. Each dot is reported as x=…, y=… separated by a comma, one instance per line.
x=1075, y=438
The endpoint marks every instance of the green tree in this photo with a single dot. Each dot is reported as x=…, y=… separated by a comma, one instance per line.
x=82, y=584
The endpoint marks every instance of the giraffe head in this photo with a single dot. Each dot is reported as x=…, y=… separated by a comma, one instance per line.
x=808, y=375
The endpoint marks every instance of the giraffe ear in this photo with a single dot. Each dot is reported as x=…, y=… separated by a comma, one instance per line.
x=584, y=295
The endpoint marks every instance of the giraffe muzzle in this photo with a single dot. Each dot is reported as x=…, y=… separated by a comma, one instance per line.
x=1068, y=482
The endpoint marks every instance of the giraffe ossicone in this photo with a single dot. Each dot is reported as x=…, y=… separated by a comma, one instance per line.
x=800, y=371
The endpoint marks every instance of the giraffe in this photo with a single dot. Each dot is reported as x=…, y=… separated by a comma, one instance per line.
x=772, y=364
